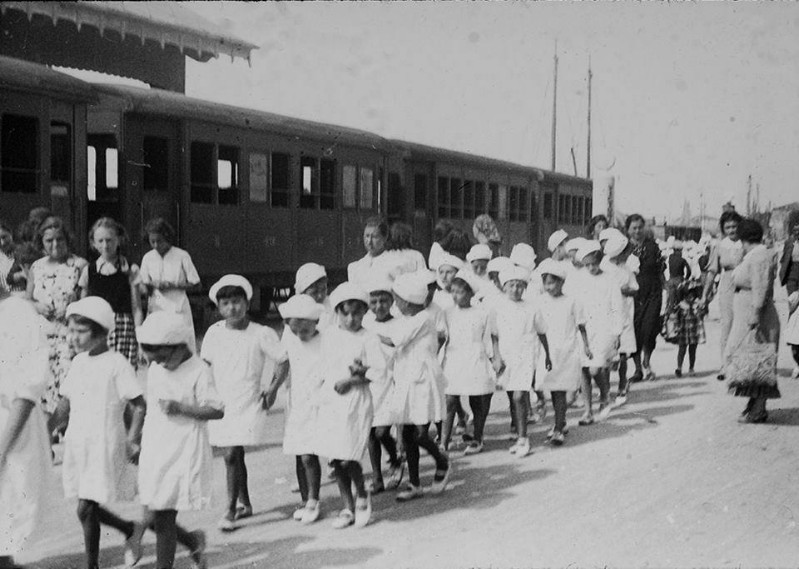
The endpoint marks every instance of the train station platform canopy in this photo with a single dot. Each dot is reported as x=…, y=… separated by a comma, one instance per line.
x=142, y=40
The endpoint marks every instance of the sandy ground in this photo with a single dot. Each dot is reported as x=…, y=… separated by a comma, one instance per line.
x=669, y=480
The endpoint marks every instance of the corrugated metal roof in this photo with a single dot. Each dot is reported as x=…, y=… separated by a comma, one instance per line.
x=163, y=22
x=19, y=75
x=170, y=104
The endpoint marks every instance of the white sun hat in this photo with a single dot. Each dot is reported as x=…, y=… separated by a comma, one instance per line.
x=552, y=267
x=230, y=280
x=165, y=328
x=478, y=252
x=307, y=275
x=95, y=309
x=523, y=255
x=556, y=239
x=301, y=306
x=411, y=288
x=615, y=245
x=587, y=248
x=514, y=273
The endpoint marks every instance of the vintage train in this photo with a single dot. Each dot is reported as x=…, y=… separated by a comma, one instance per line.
x=249, y=192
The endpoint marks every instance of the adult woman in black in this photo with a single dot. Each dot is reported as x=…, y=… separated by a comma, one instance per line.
x=789, y=262
x=649, y=298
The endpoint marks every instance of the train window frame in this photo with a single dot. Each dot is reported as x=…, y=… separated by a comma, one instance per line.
x=547, y=213
x=456, y=198
x=60, y=153
x=227, y=194
x=279, y=197
x=513, y=203
x=559, y=214
x=442, y=197
x=201, y=190
x=588, y=210
x=420, y=191
x=366, y=188
x=309, y=182
x=349, y=186
x=468, y=200
x=102, y=174
x=522, y=204
x=258, y=178
x=155, y=175
x=575, y=213
x=502, y=205
x=328, y=173
x=19, y=168
x=493, y=200
x=480, y=197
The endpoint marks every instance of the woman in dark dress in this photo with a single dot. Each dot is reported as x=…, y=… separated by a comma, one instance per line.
x=648, y=300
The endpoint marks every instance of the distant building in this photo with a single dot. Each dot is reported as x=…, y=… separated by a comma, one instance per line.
x=782, y=218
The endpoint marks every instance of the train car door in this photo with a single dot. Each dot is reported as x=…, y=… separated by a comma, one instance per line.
x=421, y=177
x=152, y=176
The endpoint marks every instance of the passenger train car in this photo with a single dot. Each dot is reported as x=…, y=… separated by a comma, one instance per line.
x=249, y=192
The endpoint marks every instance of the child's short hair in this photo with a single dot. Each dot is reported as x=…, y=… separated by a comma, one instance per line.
x=231, y=291
x=457, y=281
x=160, y=226
x=156, y=347
x=57, y=224
x=97, y=329
x=109, y=223
x=352, y=301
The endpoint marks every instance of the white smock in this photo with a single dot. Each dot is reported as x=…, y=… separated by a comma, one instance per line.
x=600, y=297
x=466, y=362
x=383, y=391
x=418, y=380
x=345, y=419
x=443, y=299
x=175, y=266
x=23, y=375
x=243, y=363
x=624, y=276
x=518, y=326
x=301, y=434
x=175, y=470
x=95, y=465
x=562, y=316
x=362, y=271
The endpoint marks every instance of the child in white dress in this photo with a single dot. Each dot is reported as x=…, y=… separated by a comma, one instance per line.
x=98, y=452
x=418, y=381
x=601, y=299
x=380, y=322
x=243, y=356
x=175, y=469
x=564, y=319
x=311, y=279
x=302, y=341
x=521, y=330
x=24, y=444
x=471, y=350
x=352, y=358
x=448, y=266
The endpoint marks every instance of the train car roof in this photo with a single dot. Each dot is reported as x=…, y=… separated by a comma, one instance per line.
x=28, y=77
x=167, y=103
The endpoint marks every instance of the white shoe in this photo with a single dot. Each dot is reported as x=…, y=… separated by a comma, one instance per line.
x=410, y=493
x=395, y=476
x=133, y=549
x=298, y=514
x=310, y=513
x=363, y=511
x=523, y=448
x=226, y=524
x=439, y=486
x=344, y=520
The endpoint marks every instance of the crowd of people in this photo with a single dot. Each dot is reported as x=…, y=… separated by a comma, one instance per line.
x=384, y=362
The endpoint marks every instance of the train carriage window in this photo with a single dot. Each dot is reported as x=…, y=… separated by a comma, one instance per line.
x=503, y=202
x=559, y=216
x=155, y=154
x=366, y=188
x=443, y=196
x=567, y=209
x=102, y=173
x=60, y=153
x=309, y=194
x=493, y=201
x=574, y=210
x=19, y=151
x=547, y=205
x=522, y=203
x=580, y=212
x=280, y=180
x=588, y=211
x=513, y=203
x=202, y=172
x=257, y=177
x=532, y=211
x=468, y=199
x=479, y=198
x=349, y=185
x=227, y=175
x=327, y=184
x=420, y=192
x=455, y=198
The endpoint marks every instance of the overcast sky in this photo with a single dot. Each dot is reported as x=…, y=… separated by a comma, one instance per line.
x=687, y=98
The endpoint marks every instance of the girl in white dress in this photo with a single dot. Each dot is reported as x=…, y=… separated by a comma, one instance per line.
x=24, y=445
x=604, y=315
x=302, y=341
x=167, y=273
x=380, y=322
x=564, y=319
x=311, y=279
x=521, y=329
x=471, y=349
x=98, y=453
x=448, y=267
x=417, y=381
x=175, y=470
x=351, y=358
x=244, y=356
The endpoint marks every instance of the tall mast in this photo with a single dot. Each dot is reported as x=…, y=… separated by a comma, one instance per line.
x=555, y=109
x=588, y=153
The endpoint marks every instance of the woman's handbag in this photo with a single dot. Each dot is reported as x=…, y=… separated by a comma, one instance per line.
x=753, y=363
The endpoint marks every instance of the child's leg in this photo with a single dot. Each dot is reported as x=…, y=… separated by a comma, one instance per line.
x=514, y=422
x=411, y=452
x=313, y=476
x=384, y=436
x=795, y=353
x=453, y=402
x=424, y=441
x=233, y=480
x=559, y=403
x=691, y=356
x=165, y=538
x=519, y=403
x=344, y=484
x=681, y=355
x=623, y=383
x=302, y=477
x=376, y=457
x=90, y=522
x=462, y=416
x=244, y=490
x=356, y=475
x=587, y=392
x=602, y=378
x=480, y=404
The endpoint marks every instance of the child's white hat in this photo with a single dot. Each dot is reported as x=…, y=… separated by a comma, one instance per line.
x=449, y=259
x=552, y=267
x=301, y=306
x=608, y=233
x=523, y=255
x=590, y=246
x=615, y=245
x=478, y=252
x=574, y=244
x=410, y=288
x=307, y=275
x=378, y=283
x=497, y=264
x=556, y=239
x=470, y=279
x=514, y=273
x=164, y=328
x=348, y=291
x=426, y=276
x=95, y=309
x=230, y=280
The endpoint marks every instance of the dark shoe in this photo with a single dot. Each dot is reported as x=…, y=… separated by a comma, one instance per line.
x=753, y=419
x=720, y=377
x=637, y=377
x=677, y=373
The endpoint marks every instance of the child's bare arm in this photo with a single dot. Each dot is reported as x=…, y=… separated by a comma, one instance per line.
x=136, y=423
x=544, y=342
x=196, y=412
x=281, y=374
x=584, y=334
x=497, y=362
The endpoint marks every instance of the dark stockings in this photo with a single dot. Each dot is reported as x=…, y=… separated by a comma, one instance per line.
x=91, y=515
x=236, y=470
x=414, y=438
x=167, y=534
x=348, y=474
x=691, y=355
x=380, y=437
x=309, y=476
